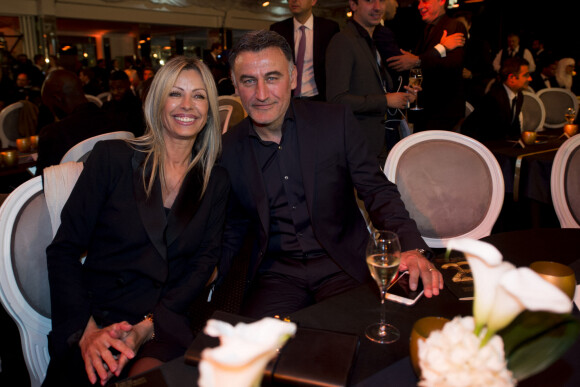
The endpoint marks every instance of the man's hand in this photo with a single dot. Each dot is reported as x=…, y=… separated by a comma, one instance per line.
x=95, y=347
x=403, y=62
x=399, y=100
x=418, y=265
x=451, y=42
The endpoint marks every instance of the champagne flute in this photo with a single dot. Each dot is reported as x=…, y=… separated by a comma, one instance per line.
x=415, y=79
x=383, y=257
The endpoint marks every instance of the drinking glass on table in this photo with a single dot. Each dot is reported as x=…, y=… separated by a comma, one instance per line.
x=415, y=79
x=383, y=256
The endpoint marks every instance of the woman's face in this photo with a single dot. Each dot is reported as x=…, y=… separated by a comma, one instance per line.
x=186, y=107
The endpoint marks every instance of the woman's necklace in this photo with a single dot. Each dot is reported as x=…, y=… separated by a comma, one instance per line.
x=171, y=190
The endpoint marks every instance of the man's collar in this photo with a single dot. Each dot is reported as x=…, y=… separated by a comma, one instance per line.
x=309, y=23
x=361, y=30
x=510, y=92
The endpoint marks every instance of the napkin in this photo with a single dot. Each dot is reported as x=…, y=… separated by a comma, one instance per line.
x=244, y=351
x=577, y=297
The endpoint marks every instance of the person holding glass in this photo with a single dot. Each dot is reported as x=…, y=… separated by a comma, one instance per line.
x=149, y=214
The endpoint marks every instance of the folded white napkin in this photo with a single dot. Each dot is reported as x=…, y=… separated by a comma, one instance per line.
x=577, y=297
x=243, y=353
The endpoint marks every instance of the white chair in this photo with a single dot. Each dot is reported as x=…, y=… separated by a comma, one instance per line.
x=82, y=150
x=565, y=183
x=451, y=185
x=556, y=101
x=533, y=112
x=238, y=113
x=95, y=100
x=468, y=109
x=9, y=124
x=225, y=112
x=25, y=232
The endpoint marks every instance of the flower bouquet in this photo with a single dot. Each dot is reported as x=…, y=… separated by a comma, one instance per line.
x=499, y=345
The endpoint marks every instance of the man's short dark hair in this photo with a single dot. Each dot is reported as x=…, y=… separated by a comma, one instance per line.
x=256, y=41
x=119, y=75
x=511, y=66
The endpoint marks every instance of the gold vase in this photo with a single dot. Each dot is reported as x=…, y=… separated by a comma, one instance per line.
x=10, y=158
x=421, y=330
x=23, y=144
x=529, y=137
x=570, y=129
x=557, y=274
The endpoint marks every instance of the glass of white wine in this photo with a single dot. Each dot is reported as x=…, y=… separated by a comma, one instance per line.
x=383, y=258
x=415, y=80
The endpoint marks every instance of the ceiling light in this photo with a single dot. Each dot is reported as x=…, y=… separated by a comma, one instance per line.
x=265, y=3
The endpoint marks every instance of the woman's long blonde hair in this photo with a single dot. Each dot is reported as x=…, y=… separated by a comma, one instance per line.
x=208, y=142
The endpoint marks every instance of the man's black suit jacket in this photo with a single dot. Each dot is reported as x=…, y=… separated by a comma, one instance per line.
x=442, y=96
x=324, y=30
x=139, y=258
x=492, y=118
x=86, y=121
x=334, y=161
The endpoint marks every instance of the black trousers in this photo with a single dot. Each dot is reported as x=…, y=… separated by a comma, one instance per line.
x=284, y=285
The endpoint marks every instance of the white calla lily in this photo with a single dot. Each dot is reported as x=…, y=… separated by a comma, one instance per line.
x=521, y=289
x=243, y=353
x=485, y=262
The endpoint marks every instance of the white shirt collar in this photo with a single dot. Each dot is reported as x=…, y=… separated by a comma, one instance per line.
x=510, y=93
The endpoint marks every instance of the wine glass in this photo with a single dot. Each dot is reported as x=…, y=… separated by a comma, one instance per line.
x=570, y=115
x=383, y=257
x=415, y=79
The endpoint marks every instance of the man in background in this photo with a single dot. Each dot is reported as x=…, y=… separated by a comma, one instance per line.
x=125, y=109
x=496, y=117
x=512, y=50
x=440, y=56
x=316, y=33
x=78, y=119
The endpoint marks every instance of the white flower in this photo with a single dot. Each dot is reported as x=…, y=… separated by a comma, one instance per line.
x=521, y=289
x=243, y=353
x=486, y=265
x=453, y=357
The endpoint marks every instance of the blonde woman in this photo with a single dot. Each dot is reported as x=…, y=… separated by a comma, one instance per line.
x=150, y=215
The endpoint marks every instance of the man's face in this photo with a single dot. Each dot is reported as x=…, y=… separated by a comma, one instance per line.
x=301, y=7
x=430, y=10
x=264, y=84
x=368, y=13
x=22, y=80
x=513, y=42
x=550, y=71
x=519, y=82
x=390, y=9
x=118, y=88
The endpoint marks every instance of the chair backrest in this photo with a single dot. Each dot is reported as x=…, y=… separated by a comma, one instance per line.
x=468, y=109
x=95, y=100
x=451, y=184
x=104, y=97
x=82, y=150
x=489, y=85
x=25, y=232
x=556, y=101
x=565, y=183
x=238, y=113
x=533, y=112
x=9, y=124
x=225, y=115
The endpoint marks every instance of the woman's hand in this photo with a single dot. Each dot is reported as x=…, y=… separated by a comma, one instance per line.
x=140, y=333
x=399, y=100
x=95, y=347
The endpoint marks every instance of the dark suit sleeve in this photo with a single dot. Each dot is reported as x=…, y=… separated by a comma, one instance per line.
x=341, y=56
x=71, y=307
x=453, y=59
x=49, y=150
x=381, y=197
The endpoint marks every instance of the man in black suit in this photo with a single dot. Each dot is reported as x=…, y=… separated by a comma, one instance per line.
x=317, y=32
x=357, y=78
x=440, y=56
x=497, y=116
x=294, y=167
x=78, y=118
x=545, y=76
